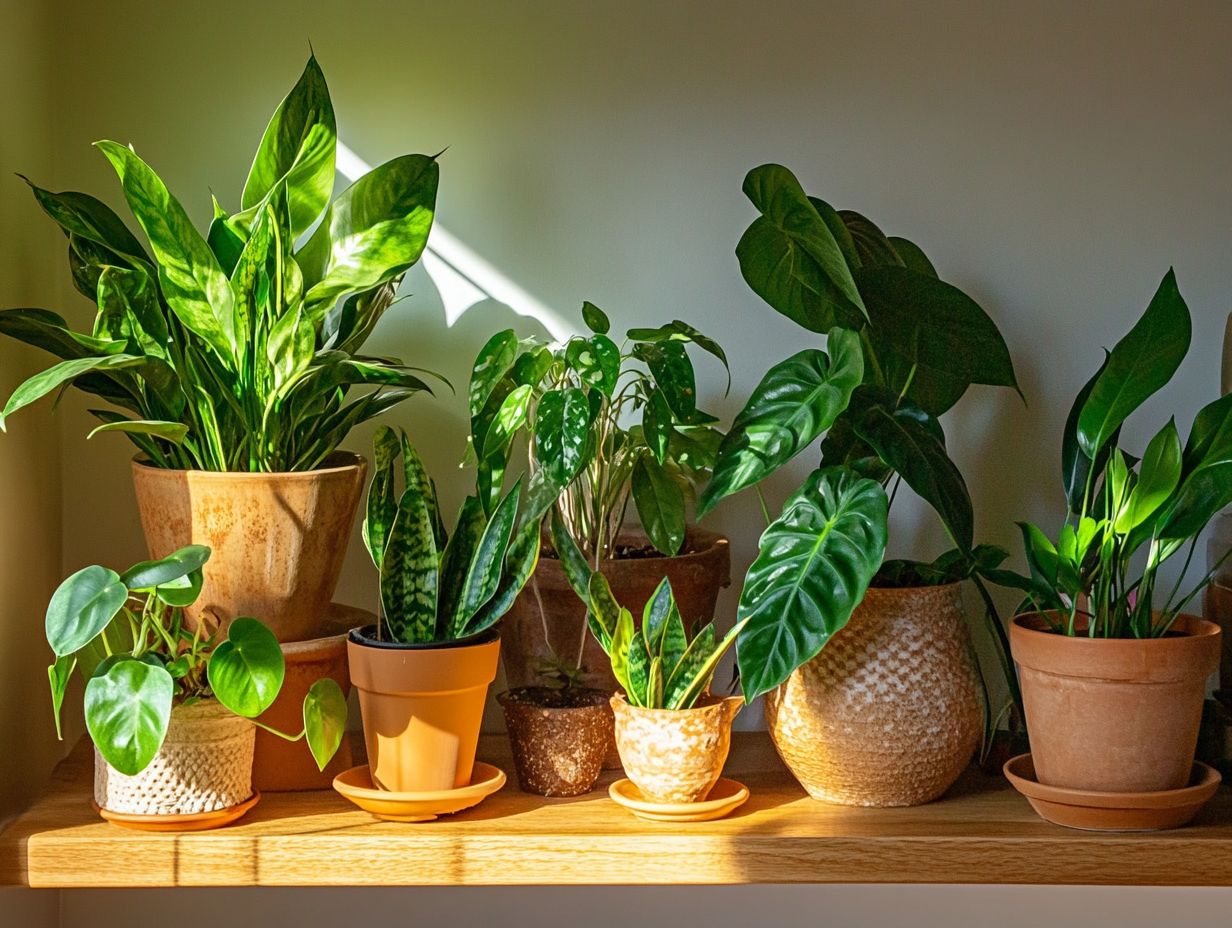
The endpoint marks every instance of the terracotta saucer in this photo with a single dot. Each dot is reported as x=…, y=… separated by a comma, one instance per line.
x=356, y=785
x=725, y=797
x=1097, y=811
x=191, y=821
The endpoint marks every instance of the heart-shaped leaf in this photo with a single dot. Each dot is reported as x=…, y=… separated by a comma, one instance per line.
x=325, y=718
x=81, y=607
x=246, y=671
x=128, y=709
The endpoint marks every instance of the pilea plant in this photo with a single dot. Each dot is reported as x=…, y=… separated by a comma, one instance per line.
x=235, y=350
x=126, y=634
x=606, y=422
x=1127, y=516
x=655, y=661
x=902, y=346
x=437, y=587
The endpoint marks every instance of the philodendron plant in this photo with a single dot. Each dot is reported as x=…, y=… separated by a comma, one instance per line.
x=655, y=661
x=235, y=350
x=605, y=421
x=902, y=346
x=126, y=634
x=437, y=587
x=1127, y=516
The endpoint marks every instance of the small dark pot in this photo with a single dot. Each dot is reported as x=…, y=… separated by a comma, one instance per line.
x=559, y=737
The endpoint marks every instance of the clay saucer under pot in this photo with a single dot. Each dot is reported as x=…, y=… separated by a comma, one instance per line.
x=1090, y=810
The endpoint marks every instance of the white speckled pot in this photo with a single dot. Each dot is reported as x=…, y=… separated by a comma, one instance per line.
x=204, y=765
x=675, y=755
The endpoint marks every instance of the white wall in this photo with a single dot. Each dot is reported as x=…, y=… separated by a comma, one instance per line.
x=1054, y=159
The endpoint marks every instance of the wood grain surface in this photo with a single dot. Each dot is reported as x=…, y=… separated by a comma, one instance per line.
x=980, y=832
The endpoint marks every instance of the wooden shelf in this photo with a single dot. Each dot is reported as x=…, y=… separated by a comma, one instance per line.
x=982, y=832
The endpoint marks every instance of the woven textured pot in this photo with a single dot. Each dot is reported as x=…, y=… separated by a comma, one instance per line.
x=675, y=755
x=891, y=710
x=1114, y=715
x=559, y=738
x=278, y=540
x=205, y=764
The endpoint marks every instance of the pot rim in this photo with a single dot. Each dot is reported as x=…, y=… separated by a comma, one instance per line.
x=361, y=637
x=710, y=540
x=354, y=461
x=505, y=698
x=915, y=588
x=1200, y=628
x=709, y=701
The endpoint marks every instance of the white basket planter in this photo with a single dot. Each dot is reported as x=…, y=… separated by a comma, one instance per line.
x=204, y=765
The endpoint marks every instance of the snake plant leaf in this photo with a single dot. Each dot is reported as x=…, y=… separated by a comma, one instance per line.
x=657, y=425
x=915, y=453
x=81, y=607
x=128, y=310
x=49, y=331
x=689, y=667
x=520, y=563
x=673, y=374
x=638, y=672
x=382, y=503
x=492, y=364
x=456, y=561
x=660, y=504
x=190, y=277
x=871, y=244
x=44, y=382
x=87, y=217
x=298, y=149
x=1139, y=365
x=622, y=640
x=373, y=231
x=790, y=258
x=410, y=571
x=484, y=573
x=596, y=319
x=58, y=676
x=173, y=432
x=932, y=341
x=912, y=256
x=673, y=640
x=325, y=719
x=577, y=571
x=795, y=402
x=654, y=683
x=247, y=669
x=813, y=565
x=562, y=423
x=655, y=615
x=128, y=709
x=602, y=612
x=596, y=360
x=1158, y=476
x=691, y=688
x=415, y=474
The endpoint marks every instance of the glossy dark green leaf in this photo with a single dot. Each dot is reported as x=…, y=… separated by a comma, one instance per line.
x=1158, y=475
x=48, y=331
x=576, y=569
x=596, y=361
x=484, y=573
x=81, y=607
x=673, y=374
x=1076, y=467
x=226, y=243
x=456, y=561
x=813, y=565
x=325, y=719
x=795, y=402
x=838, y=228
x=657, y=424
x=190, y=277
x=596, y=319
x=520, y=563
x=871, y=244
x=410, y=571
x=561, y=425
x=683, y=332
x=1142, y=362
x=930, y=338
x=912, y=256
x=298, y=147
x=44, y=382
x=128, y=709
x=382, y=501
x=492, y=363
x=373, y=231
x=82, y=215
x=915, y=453
x=660, y=505
x=247, y=669
x=1210, y=438
x=789, y=257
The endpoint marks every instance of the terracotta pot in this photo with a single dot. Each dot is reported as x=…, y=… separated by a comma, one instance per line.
x=891, y=710
x=204, y=765
x=422, y=706
x=1114, y=715
x=696, y=580
x=1218, y=608
x=560, y=738
x=278, y=764
x=675, y=755
x=278, y=540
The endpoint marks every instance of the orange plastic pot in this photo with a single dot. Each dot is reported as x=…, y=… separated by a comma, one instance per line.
x=1114, y=715
x=422, y=707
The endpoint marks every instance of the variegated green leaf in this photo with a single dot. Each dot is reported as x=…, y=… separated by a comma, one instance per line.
x=638, y=689
x=655, y=613
x=602, y=612
x=561, y=426
x=483, y=575
x=382, y=503
x=577, y=571
x=622, y=640
x=410, y=571
x=456, y=560
x=492, y=363
x=44, y=382
x=520, y=564
x=689, y=666
x=700, y=681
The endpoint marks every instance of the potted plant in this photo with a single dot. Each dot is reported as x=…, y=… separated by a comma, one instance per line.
x=423, y=670
x=874, y=696
x=228, y=358
x=607, y=425
x=672, y=734
x=1113, y=670
x=171, y=710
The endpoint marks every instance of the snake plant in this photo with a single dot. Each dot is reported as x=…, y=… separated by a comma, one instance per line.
x=237, y=349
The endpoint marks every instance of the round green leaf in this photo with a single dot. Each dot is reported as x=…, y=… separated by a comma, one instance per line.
x=82, y=607
x=596, y=319
x=128, y=708
x=246, y=670
x=325, y=718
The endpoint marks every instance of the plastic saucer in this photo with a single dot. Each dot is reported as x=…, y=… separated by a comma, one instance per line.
x=188, y=821
x=356, y=785
x=725, y=797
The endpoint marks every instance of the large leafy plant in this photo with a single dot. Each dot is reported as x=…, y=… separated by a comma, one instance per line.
x=1127, y=516
x=126, y=634
x=435, y=586
x=902, y=346
x=655, y=661
x=237, y=349
x=606, y=422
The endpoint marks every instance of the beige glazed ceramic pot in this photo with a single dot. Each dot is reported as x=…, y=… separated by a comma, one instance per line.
x=204, y=765
x=278, y=540
x=675, y=755
x=1114, y=715
x=891, y=710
